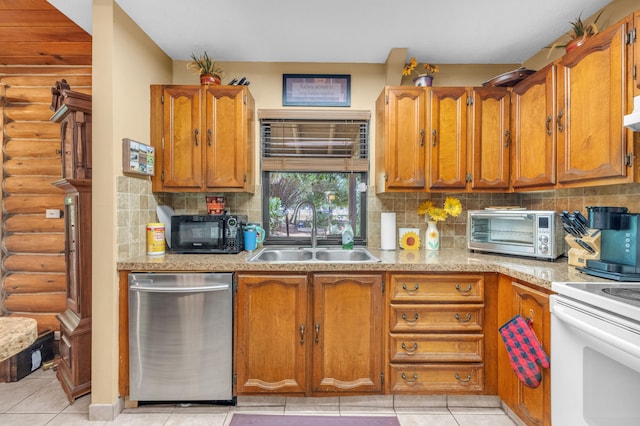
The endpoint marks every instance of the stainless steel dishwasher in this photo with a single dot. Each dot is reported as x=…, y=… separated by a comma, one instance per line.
x=180, y=336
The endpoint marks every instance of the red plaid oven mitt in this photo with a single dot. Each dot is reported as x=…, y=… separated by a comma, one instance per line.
x=524, y=350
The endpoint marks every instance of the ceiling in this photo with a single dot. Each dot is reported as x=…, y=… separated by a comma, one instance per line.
x=349, y=31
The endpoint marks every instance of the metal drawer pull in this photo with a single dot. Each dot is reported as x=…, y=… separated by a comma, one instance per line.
x=196, y=132
x=302, y=334
x=410, y=350
x=412, y=380
x=415, y=287
x=468, y=379
x=548, y=122
x=317, y=332
x=415, y=317
x=467, y=290
x=467, y=318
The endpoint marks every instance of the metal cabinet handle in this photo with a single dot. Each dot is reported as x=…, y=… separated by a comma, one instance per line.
x=507, y=138
x=560, y=127
x=302, y=334
x=415, y=287
x=415, y=317
x=434, y=138
x=468, y=379
x=209, y=137
x=410, y=349
x=421, y=137
x=195, y=135
x=317, y=332
x=467, y=318
x=410, y=380
x=466, y=290
x=548, y=124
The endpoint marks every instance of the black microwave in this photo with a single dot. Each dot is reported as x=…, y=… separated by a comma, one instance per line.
x=207, y=233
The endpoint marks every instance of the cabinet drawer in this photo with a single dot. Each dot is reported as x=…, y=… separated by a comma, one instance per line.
x=437, y=288
x=427, y=378
x=436, y=347
x=412, y=318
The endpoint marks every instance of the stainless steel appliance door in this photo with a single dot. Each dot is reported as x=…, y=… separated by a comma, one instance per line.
x=180, y=336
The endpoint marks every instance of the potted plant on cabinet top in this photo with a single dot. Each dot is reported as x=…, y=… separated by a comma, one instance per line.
x=206, y=67
x=424, y=78
x=580, y=32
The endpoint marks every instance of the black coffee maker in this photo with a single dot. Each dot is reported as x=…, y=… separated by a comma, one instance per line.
x=619, y=249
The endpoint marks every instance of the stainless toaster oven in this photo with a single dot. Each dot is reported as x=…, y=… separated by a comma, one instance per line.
x=532, y=233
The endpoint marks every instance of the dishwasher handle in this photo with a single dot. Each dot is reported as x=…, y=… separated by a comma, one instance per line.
x=195, y=289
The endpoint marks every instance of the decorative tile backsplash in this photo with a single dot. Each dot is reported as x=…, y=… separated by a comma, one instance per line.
x=137, y=207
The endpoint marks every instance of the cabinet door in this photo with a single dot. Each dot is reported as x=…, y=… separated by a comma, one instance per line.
x=636, y=53
x=448, y=137
x=490, y=138
x=533, y=405
x=183, y=137
x=347, y=342
x=534, y=135
x=271, y=334
x=405, y=139
x=224, y=137
x=592, y=97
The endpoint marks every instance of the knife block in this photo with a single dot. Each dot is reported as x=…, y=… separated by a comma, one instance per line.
x=577, y=254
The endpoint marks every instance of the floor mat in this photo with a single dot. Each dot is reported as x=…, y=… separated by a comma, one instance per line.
x=280, y=420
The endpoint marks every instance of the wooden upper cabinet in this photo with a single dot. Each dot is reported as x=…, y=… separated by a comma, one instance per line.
x=636, y=52
x=182, y=162
x=347, y=333
x=204, y=138
x=534, y=131
x=227, y=124
x=400, y=139
x=447, y=137
x=490, y=138
x=594, y=92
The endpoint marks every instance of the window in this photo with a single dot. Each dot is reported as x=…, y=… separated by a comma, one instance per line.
x=320, y=157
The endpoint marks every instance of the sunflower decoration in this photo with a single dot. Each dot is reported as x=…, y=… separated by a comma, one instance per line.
x=410, y=240
x=425, y=69
x=451, y=207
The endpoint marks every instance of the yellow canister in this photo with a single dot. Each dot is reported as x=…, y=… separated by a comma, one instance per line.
x=155, y=239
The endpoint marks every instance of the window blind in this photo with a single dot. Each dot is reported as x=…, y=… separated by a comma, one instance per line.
x=307, y=140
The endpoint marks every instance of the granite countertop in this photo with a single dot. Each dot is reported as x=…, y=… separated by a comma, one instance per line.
x=538, y=272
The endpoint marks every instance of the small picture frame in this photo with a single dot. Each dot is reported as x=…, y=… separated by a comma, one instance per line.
x=327, y=90
x=137, y=158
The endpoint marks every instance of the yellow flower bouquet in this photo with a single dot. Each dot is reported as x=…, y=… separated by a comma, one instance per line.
x=412, y=66
x=452, y=207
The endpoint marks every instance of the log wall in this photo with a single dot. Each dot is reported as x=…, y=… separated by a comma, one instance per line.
x=33, y=265
x=38, y=46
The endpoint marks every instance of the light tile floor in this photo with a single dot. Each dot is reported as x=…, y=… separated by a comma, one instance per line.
x=38, y=400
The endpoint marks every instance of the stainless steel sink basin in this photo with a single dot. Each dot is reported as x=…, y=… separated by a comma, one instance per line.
x=314, y=255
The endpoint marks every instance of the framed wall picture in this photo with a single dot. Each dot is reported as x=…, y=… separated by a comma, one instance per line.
x=137, y=158
x=316, y=90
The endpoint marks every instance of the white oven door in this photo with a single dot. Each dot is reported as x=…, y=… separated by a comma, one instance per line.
x=595, y=366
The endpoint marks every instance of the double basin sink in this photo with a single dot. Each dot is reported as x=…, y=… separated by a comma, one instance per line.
x=314, y=255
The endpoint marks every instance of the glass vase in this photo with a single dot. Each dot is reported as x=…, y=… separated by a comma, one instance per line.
x=432, y=236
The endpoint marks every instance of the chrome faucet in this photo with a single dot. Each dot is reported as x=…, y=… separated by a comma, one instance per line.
x=314, y=230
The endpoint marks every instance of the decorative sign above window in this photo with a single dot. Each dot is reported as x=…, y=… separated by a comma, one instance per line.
x=316, y=90
x=137, y=158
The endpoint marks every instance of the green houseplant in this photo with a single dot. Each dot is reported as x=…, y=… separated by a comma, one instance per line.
x=579, y=33
x=210, y=72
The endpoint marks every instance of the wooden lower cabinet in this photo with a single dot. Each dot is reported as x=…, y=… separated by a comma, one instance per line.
x=314, y=334
x=532, y=405
x=438, y=325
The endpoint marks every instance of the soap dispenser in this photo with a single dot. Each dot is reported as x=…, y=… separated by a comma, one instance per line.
x=347, y=237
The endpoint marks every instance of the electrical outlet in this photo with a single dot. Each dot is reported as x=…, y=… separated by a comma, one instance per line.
x=52, y=214
x=56, y=335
